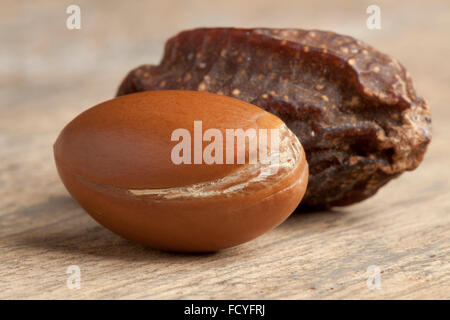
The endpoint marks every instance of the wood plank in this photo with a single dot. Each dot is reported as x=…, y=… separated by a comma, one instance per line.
x=49, y=74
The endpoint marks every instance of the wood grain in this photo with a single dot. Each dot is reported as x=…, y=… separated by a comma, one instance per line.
x=49, y=74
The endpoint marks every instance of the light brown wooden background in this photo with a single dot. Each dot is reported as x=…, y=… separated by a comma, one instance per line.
x=49, y=74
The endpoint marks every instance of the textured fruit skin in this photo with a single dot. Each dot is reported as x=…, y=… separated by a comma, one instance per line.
x=353, y=108
x=115, y=160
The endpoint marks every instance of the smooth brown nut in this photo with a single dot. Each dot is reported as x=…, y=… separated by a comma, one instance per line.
x=354, y=109
x=115, y=160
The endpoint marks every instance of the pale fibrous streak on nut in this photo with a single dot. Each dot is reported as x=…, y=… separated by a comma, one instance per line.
x=248, y=178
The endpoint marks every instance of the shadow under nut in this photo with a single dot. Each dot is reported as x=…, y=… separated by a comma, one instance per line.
x=195, y=217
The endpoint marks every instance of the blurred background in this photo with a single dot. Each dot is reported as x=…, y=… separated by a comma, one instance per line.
x=49, y=74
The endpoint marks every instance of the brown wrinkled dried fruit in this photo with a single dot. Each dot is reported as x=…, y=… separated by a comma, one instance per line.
x=353, y=108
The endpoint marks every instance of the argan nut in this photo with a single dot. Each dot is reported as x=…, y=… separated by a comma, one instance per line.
x=121, y=161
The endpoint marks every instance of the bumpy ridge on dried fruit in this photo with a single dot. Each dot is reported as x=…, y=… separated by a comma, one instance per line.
x=353, y=108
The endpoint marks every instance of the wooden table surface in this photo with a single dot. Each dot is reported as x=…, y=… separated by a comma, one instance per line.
x=49, y=74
